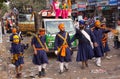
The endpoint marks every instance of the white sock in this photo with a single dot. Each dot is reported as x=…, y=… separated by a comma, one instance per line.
x=39, y=68
x=44, y=66
x=61, y=67
x=66, y=65
x=98, y=60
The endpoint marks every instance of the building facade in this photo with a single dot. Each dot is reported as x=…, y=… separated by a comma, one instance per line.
x=110, y=9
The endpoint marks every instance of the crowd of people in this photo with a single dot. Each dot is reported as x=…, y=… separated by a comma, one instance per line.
x=9, y=21
x=92, y=39
x=89, y=24
x=92, y=43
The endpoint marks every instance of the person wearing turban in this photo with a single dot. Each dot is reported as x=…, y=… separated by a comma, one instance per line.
x=105, y=41
x=116, y=33
x=42, y=31
x=17, y=51
x=97, y=23
x=86, y=40
x=99, y=50
x=40, y=48
x=62, y=48
x=14, y=32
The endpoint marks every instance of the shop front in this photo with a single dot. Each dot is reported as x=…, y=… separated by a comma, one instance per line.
x=110, y=12
x=91, y=8
x=74, y=11
x=118, y=8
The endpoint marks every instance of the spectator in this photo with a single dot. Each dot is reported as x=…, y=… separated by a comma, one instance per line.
x=64, y=9
x=56, y=8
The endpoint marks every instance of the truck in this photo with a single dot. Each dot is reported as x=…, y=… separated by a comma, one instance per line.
x=26, y=19
x=50, y=24
x=26, y=23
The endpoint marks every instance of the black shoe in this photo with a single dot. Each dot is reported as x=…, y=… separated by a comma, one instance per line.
x=86, y=64
x=40, y=74
x=61, y=72
x=18, y=75
x=43, y=72
x=83, y=67
x=66, y=69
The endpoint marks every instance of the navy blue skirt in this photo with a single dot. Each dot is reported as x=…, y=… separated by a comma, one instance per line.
x=85, y=52
x=67, y=58
x=40, y=58
x=19, y=61
x=106, y=48
x=98, y=51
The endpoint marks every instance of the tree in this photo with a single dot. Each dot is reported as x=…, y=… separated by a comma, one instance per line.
x=36, y=4
x=3, y=7
x=1, y=3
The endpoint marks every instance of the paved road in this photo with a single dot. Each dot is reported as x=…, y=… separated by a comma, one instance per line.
x=110, y=68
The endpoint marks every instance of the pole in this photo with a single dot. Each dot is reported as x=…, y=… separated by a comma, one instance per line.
x=0, y=33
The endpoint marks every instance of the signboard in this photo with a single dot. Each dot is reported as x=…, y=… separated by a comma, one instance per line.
x=48, y=13
x=102, y=3
x=90, y=1
x=81, y=6
x=74, y=6
x=113, y=2
x=104, y=8
x=119, y=3
x=0, y=33
x=81, y=9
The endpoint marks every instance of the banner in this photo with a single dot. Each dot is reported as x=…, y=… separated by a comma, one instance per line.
x=74, y=6
x=118, y=2
x=113, y=2
x=90, y=1
x=81, y=9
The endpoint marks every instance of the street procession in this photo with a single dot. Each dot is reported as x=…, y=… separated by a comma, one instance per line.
x=59, y=39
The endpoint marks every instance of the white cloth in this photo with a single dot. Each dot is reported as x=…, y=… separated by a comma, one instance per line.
x=118, y=29
x=88, y=37
x=66, y=65
x=98, y=61
x=76, y=24
x=56, y=52
x=57, y=5
x=39, y=67
x=61, y=67
x=44, y=66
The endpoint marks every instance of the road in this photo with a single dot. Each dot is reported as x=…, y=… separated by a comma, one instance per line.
x=110, y=67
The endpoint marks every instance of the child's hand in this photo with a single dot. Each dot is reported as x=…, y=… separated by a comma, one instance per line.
x=35, y=52
x=47, y=49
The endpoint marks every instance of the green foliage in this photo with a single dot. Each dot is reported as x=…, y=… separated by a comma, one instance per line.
x=1, y=3
x=4, y=9
x=36, y=4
